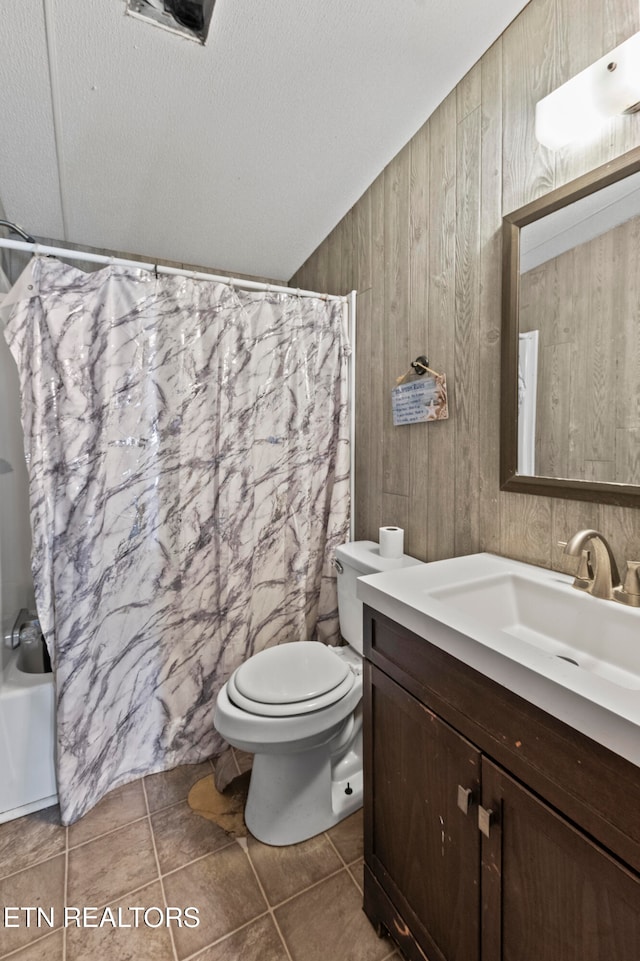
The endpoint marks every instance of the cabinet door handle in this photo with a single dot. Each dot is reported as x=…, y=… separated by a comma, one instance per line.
x=486, y=818
x=465, y=798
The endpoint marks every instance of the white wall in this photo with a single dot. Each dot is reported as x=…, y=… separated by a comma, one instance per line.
x=16, y=586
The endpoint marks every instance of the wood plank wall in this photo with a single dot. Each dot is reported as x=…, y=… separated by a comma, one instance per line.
x=422, y=247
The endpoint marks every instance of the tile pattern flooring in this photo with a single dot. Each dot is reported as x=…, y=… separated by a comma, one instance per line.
x=143, y=846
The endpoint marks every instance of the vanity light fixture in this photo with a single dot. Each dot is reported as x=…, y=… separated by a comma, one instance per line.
x=580, y=107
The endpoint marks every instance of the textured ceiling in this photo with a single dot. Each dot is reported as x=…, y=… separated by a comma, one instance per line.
x=242, y=154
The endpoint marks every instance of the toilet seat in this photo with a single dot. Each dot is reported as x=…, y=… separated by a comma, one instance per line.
x=290, y=679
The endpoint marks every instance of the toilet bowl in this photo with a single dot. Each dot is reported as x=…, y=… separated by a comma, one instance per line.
x=297, y=708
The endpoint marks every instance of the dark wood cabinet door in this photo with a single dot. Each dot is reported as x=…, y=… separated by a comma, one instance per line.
x=421, y=847
x=548, y=892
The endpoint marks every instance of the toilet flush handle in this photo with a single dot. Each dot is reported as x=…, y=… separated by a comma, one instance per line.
x=338, y=566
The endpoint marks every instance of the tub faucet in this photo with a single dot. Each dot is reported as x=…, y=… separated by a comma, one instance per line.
x=24, y=617
x=605, y=582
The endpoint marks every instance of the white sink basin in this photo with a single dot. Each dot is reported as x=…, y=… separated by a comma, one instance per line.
x=576, y=656
x=602, y=637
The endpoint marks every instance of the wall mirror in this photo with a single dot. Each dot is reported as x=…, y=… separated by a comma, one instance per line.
x=570, y=379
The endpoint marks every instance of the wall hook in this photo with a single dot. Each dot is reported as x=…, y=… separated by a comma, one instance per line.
x=420, y=365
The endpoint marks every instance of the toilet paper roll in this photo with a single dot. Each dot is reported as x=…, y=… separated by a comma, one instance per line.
x=391, y=540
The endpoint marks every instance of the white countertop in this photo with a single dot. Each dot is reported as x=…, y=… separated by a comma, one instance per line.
x=603, y=710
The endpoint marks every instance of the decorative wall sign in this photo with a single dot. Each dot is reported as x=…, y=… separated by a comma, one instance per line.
x=419, y=401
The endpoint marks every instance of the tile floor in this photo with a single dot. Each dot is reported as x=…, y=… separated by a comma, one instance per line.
x=144, y=847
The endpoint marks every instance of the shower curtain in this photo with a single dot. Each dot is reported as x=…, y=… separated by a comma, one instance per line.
x=188, y=454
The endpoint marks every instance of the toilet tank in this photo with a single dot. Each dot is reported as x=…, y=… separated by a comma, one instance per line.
x=353, y=560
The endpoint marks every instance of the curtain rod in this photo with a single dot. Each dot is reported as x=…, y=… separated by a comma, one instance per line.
x=36, y=248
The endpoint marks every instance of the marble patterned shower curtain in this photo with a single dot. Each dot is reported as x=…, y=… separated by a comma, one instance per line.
x=188, y=454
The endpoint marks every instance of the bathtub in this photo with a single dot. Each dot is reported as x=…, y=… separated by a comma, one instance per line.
x=27, y=774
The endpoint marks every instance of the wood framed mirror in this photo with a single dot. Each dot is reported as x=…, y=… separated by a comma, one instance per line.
x=570, y=361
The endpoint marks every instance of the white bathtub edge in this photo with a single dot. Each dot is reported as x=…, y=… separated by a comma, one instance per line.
x=19, y=812
x=27, y=741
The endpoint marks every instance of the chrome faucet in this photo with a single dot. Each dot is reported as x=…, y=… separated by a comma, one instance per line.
x=24, y=617
x=605, y=582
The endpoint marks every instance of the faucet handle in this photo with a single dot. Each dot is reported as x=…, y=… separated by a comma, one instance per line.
x=632, y=578
x=584, y=575
x=585, y=570
x=629, y=593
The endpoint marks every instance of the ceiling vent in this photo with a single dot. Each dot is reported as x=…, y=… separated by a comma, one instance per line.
x=189, y=18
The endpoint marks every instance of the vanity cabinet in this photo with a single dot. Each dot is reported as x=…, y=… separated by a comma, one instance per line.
x=493, y=832
x=425, y=854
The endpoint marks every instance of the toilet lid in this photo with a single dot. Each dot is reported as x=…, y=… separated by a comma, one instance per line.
x=289, y=673
x=290, y=679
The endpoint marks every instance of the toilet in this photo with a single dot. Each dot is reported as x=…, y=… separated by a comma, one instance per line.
x=297, y=708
